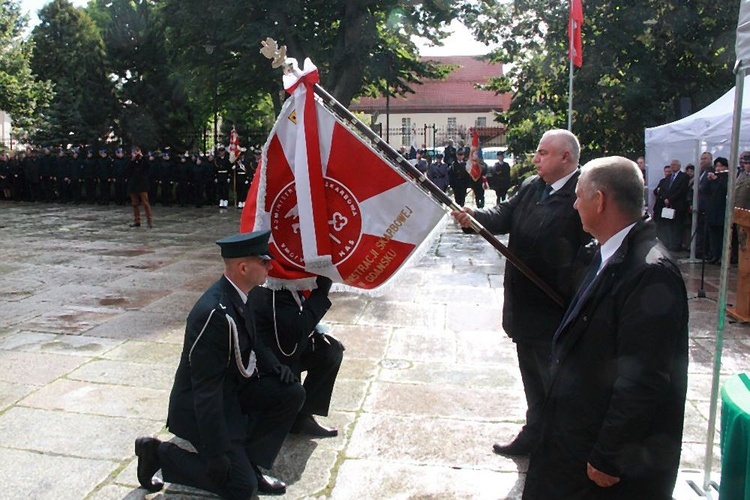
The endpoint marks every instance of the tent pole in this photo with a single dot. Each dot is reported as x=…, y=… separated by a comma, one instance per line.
x=694, y=212
x=722, y=299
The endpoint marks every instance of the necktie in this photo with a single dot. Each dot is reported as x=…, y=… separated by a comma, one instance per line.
x=545, y=194
x=575, y=305
x=671, y=179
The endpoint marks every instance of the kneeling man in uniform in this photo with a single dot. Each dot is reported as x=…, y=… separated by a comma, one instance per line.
x=230, y=399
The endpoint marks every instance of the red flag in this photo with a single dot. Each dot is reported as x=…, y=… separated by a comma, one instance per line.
x=234, y=146
x=575, y=49
x=473, y=166
x=373, y=218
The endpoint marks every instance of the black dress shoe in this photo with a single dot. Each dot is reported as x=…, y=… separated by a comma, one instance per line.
x=148, y=463
x=306, y=424
x=521, y=446
x=269, y=484
x=135, y=224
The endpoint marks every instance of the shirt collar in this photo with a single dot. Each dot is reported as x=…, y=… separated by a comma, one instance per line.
x=243, y=295
x=559, y=183
x=610, y=246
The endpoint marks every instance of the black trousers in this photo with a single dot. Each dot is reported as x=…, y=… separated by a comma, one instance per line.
x=321, y=361
x=271, y=407
x=533, y=362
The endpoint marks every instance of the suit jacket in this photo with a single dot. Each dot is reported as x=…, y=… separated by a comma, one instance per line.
x=204, y=406
x=619, y=378
x=548, y=237
x=677, y=192
x=660, y=193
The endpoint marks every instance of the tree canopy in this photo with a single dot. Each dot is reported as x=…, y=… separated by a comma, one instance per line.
x=70, y=52
x=640, y=60
x=22, y=94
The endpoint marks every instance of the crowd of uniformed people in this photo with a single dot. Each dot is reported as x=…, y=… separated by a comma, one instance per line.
x=86, y=175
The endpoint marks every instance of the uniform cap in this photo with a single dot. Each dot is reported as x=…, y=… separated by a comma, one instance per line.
x=246, y=245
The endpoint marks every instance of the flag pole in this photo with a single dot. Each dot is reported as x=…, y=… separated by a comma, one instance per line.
x=571, y=36
x=421, y=178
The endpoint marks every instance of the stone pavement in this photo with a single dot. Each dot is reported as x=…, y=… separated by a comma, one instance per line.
x=91, y=322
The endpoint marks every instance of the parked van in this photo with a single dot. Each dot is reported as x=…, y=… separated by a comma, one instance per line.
x=489, y=155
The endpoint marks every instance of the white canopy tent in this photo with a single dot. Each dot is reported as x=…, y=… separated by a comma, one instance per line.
x=710, y=129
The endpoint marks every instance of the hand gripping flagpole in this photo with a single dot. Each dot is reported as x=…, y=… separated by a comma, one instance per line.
x=278, y=54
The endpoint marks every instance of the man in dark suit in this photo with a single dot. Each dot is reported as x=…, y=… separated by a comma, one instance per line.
x=660, y=192
x=546, y=234
x=675, y=197
x=228, y=400
x=288, y=321
x=613, y=415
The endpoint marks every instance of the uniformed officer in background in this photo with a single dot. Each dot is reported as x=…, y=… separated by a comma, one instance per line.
x=223, y=179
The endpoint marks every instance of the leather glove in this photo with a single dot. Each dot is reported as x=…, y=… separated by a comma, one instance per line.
x=285, y=374
x=217, y=469
x=324, y=284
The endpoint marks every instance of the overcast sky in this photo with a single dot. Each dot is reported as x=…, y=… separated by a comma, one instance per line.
x=461, y=43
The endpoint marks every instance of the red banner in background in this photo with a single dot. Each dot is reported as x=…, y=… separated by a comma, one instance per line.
x=234, y=146
x=575, y=51
x=473, y=166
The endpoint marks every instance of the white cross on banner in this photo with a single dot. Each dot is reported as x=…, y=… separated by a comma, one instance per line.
x=335, y=207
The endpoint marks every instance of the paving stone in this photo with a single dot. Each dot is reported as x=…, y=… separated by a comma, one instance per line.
x=117, y=492
x=101, y=399
x=377, y=479
x=12, y=393
x=28, y=474
x=498, y=377
x=72, y=434
x=34, y=368
x=423, y=344
x=125, y=373
x=49, y=343
x=419, y=440
x=139, y=325
x=365, y=342
x=151, y=353
x=453, y=401
x=383, y=313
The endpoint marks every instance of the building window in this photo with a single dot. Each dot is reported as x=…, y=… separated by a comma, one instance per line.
x=481, y=122
x=405, y=131
x=452, y=128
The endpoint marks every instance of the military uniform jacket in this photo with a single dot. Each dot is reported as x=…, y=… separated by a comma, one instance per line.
x=619, y=378
x=282, y=325
x=204, y=406
x=548, y=237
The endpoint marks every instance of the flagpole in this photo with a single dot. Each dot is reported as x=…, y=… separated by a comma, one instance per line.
x=405, y=166
x=571, y=36
x=570, y=95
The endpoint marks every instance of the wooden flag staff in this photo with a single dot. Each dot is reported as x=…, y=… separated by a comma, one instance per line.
x=278, y=54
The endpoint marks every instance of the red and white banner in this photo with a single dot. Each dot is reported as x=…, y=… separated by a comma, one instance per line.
x=473, y=166
x=234, y=146
x=575, y=21
x=335, y=207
